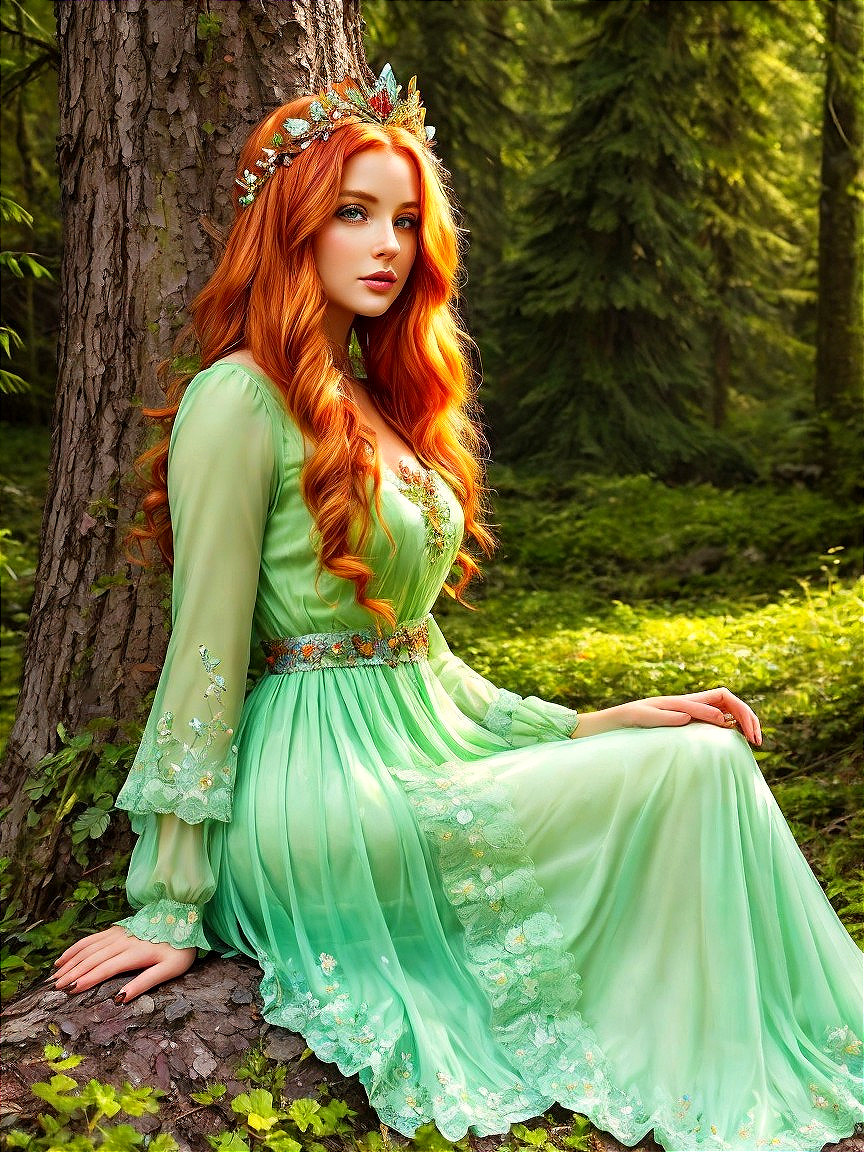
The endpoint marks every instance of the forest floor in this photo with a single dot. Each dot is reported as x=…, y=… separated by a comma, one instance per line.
x=603, y=589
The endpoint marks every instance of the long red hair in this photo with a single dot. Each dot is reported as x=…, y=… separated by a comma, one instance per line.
x=265, y=296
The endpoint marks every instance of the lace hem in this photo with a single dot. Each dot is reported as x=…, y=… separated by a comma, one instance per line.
x=514, y=944
x=348, y=1035
x=514, y=950
x=168, y=922
x=195, y=781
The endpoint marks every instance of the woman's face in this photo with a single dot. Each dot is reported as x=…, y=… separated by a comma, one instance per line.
x=373, y=231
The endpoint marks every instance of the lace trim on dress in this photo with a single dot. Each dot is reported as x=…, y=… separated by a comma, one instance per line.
x=515, y=951
x=167, y=922
x=499, y=717
x=193, y=780
x=514, y=943
x=348, y=1035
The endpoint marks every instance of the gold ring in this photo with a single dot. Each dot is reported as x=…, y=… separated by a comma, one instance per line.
x=731, y=722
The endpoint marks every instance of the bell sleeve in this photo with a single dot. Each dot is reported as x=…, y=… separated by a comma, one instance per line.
x=519, y=721
x=222, y=477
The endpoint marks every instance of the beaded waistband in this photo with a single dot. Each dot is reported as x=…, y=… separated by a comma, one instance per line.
x=407, y=643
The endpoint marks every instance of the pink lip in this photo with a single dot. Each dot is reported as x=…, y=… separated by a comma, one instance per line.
x=377, y=283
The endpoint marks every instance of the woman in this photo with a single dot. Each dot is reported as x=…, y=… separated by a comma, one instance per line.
x=430, y=870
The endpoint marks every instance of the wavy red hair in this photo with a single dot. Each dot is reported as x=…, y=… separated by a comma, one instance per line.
x=265, y=296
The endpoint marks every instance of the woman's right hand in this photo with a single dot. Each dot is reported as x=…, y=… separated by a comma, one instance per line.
x=106, y=954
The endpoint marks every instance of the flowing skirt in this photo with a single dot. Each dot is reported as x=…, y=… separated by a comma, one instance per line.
x=622, y=924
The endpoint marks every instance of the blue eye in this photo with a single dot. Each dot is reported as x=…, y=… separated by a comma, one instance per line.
x=350, y=208
x=410, y=221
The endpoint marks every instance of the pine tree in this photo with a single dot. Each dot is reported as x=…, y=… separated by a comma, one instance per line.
x=752, y=228
x=606, y=306
x=478, y=64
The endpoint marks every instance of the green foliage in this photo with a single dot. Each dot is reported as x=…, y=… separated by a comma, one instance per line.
x=32, y=235
x=72, y=788
x=76, y=1114
x=633, y=538
x=659, y=286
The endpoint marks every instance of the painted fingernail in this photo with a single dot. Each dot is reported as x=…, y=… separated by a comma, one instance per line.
x=71, y=987
x=120, y=998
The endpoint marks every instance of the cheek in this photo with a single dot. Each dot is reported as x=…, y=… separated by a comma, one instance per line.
x=332, y=251
x=409, y=247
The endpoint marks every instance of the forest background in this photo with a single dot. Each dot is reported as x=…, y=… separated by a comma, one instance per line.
x=662, y=206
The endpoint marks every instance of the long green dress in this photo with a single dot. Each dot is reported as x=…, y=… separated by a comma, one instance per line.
x=446, y=895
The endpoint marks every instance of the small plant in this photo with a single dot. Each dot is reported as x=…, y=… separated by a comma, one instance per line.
x=77, y=1116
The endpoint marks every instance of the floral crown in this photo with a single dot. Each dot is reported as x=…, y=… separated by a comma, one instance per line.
x=354, y=100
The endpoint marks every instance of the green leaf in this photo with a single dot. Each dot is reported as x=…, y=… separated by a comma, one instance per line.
x=214, y=1092
x=304, y=1113
x=536, y=1137
x=280, y=1141
x=333, y=1114
x=92, y=822
x=258, y=1102
x=7, y=260
x=163, y=1143
x=104, y=1096
x=260, y=1123
x=577, y=1138
x=122, y=1138
x=52, y=1093
x=427, y=1138
x=12, y=210
x=18, y=1139
x=229, y=1141
x=135, y=1101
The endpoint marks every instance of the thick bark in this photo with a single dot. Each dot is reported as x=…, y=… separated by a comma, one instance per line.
x=180, y=1037
x=840, y=334
x=155, y=102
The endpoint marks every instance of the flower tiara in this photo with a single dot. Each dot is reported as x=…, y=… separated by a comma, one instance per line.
x=378, y=105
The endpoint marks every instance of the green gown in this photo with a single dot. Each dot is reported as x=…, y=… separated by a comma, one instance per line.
x=447, y=895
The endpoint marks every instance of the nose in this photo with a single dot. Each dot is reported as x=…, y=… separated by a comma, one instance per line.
x=387, y=244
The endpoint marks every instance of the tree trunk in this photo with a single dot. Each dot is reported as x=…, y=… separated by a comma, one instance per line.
x=840, y=320
x=155, y=102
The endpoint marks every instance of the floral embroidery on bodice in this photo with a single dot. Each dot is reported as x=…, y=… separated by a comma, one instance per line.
x=422, y=487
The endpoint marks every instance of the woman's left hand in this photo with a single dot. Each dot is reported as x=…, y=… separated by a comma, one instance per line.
x=714, y=706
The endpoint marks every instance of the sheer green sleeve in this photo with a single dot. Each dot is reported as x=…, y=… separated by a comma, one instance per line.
x=170, y=880
x=222, y=477
x=519, y=720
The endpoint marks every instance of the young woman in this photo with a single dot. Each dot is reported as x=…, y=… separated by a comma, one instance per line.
x=481, y=904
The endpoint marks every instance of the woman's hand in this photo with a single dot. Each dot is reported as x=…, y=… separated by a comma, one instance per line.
x=716, y=706
x=106, y=954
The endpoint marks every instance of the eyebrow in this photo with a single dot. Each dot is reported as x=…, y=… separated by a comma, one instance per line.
x=374, y=199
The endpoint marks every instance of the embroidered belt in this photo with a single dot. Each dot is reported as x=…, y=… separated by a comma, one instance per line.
x=407, y=643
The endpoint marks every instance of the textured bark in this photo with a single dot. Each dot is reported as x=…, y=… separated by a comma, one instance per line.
x=183, y=1036
x=840, y=334
x=155, y=102
x=180, y=1037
